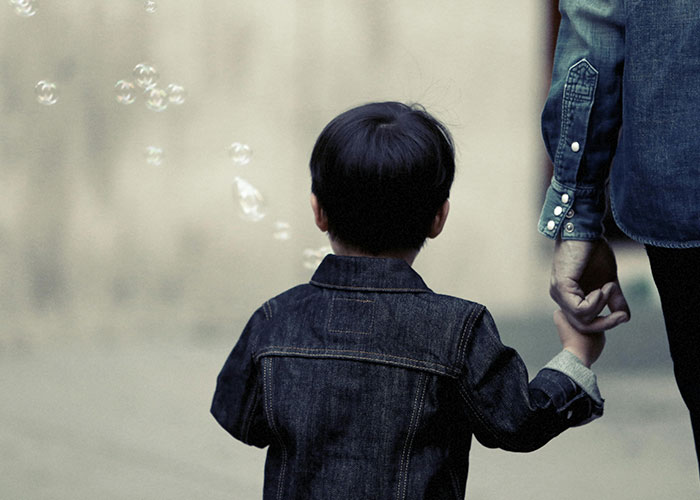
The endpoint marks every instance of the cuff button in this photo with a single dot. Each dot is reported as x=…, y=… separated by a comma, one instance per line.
x=565, y=198
x=570, y=214
x=569, y=227
x=558, y=211
x=551, y=225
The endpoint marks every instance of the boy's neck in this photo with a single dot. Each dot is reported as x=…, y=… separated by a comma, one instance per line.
x=341, y=249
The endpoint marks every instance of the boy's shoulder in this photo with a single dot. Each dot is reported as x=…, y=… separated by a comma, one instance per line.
x=430, y=303
x=424, y=329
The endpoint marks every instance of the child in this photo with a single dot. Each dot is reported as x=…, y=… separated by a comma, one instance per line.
x=364, y=383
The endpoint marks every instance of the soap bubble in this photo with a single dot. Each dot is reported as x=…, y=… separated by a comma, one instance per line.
x=125, y=92
x=176, y=94
x=283, y=231
x=150, y=6
x=250, y=201
x=46, y=93
x=145, y=75
x=25, y=8
x=240, y=154
x=154, y=156
x=313, y=257
x=156, y=99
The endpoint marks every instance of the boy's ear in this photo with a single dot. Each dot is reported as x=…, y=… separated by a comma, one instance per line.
x=439, y=220
x=319, y=214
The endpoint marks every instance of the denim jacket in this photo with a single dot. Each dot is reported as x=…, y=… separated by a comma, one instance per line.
x=631, y=62
x=364, y=384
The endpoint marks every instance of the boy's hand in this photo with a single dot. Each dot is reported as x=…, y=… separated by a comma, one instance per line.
x=586, y=346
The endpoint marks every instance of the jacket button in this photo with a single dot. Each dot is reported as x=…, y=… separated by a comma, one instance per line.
x=570, y=214
x=569, y=227
x=575, y=147
x=565, y=198
x=550, y=225
x=558, y=211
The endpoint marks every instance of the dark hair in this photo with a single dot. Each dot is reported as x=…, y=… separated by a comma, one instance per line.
x=381, y=172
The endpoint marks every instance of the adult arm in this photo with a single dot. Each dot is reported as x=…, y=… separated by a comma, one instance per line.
x=580, y=125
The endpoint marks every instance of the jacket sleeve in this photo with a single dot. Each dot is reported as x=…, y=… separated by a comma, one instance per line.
x=582, y=116
x=508, y=412
x=237, y=403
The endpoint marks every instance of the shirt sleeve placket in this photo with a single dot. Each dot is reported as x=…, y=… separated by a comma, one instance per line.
x=577, y=102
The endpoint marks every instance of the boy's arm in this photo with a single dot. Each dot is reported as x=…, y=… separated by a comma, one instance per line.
x=237, y=403
x=508, y=412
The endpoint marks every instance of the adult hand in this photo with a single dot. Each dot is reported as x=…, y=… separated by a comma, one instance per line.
x=584, y=281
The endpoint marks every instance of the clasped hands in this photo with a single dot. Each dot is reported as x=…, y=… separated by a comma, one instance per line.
x=583, y=282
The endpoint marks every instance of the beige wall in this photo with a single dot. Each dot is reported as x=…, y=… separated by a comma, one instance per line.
x=89, y=229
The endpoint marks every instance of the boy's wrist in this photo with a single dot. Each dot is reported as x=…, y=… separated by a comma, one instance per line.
x=580, y=355
x=572, y=366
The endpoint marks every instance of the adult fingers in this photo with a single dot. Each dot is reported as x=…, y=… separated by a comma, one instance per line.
x=583, y=308
x=581, y=312
x=617, y=301
x=607, y=322
x=584, y=313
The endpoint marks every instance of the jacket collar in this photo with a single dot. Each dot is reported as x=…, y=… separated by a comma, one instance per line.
x=371, y=274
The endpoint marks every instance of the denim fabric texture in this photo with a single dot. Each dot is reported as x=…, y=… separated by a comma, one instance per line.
x=635, y=63
x=365, y=384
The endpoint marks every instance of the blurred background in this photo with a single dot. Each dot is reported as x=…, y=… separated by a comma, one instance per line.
x=154, y=192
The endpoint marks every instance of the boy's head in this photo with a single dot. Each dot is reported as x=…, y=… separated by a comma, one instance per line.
x=381, y=172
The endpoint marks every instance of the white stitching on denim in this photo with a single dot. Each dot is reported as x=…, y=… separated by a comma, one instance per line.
x=481, y=309
x=408, y=444
x=468, y=325
x=248, y=419
x=446, y=371
x=275, y=349
x=330, y=316
x=267, y=307
x=415, y=431
x=273, y=427
x=368, y=288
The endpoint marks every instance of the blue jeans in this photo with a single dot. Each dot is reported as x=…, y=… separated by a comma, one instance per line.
x=676, y=273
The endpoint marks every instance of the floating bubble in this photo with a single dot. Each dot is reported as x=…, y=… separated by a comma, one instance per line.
x=250, y=201
x=176, y=94
x=240, y=154
x=313, y=257
x=46, y=93
x=151, y=6
x=154, y=156
x=282, y=231
x=25, y=8
x=145, y=75
x=156, y=99
x=125, y=92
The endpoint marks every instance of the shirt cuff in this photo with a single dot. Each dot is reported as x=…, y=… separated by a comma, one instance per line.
x=574, y=214
x=568, y=363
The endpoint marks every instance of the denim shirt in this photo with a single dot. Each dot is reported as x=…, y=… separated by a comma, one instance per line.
x=365, y=384
x=636, y=63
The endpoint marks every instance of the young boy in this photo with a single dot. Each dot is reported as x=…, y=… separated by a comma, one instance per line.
x=364, y=383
